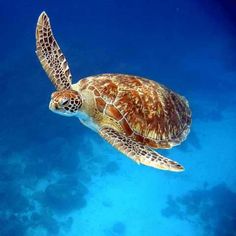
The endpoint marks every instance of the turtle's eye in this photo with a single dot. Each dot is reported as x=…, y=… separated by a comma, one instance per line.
x=64, y=101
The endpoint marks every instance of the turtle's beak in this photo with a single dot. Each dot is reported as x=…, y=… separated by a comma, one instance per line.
x=53, y=106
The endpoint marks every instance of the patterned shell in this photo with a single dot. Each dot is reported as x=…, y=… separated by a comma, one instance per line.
x=146, y=110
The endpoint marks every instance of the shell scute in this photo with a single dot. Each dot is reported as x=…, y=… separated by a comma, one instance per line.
x=129, y=103
x=147, y=110
x=113, y=112
x=100, y=104
x=83, y=83
x=107, y=89
x=126, y=128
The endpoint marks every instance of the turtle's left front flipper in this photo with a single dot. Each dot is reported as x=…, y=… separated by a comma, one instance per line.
x=50, y=54
x=138, y=152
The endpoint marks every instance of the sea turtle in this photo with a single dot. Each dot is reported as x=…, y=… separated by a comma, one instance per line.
x=134, y=114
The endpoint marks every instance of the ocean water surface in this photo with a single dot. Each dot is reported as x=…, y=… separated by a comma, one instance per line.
x=57, y=177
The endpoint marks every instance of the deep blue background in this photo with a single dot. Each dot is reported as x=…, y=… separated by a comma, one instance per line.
x=59, y=178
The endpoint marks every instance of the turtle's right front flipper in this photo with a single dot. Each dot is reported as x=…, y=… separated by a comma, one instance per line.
x=50, y=54
x=138, y=152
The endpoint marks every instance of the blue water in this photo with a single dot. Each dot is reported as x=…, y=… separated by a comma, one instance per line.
x=59, y=178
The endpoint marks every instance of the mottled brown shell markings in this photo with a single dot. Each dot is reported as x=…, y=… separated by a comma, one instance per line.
x=146, y=111
x=126, y=127
x=130, y=105
x=83, y=84
x=100, y=104
x=113, y=112
x=106, y=88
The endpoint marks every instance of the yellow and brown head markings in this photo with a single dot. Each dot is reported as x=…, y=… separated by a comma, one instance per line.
x=66, y=102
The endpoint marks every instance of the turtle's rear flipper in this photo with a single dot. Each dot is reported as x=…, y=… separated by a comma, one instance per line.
x=50, y=54
x=138, y=152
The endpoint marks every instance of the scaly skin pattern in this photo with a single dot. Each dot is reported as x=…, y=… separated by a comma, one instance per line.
x=142, y=109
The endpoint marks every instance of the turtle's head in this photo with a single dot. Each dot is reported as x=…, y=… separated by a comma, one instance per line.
x=65, y=102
